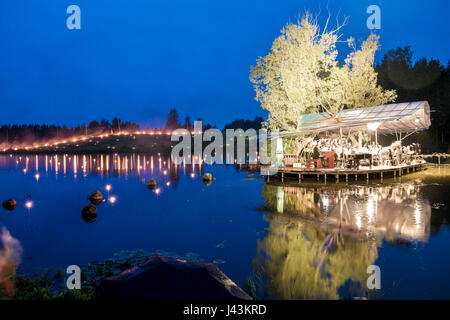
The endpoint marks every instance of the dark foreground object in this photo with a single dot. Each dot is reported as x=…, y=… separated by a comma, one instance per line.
x=9, y=204
x=163, y=278
x=89, y=213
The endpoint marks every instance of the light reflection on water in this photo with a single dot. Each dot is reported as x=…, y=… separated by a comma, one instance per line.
x=393, y=210
x=310, y=242
x=96, y=164
x=321, y=239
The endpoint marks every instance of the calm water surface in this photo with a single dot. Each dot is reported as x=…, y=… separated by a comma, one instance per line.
x=308, y=242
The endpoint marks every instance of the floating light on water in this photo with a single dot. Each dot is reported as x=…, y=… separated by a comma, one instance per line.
x=29, y=204
x=157, y=190
x=112, y=199
x=108, y=187
x=36, y=176
x=192, y=175
x=168, y=183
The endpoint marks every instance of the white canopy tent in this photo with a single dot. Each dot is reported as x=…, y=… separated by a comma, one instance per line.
x=385, y=119
x=388, y=118
x=395, y=118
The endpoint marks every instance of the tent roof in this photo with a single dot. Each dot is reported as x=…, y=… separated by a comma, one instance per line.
x=388, y=118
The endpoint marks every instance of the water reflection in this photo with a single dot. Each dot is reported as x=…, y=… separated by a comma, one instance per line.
x=313, y=243
x=140, y=165
x=391, y=210
x=320, y=239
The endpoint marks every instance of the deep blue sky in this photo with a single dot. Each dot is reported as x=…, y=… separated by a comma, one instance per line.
x=137, y=59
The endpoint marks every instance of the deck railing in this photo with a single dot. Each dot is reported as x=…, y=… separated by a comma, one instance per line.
x=438, y=155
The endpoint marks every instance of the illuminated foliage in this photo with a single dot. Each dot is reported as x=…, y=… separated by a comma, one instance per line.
x=301, y=74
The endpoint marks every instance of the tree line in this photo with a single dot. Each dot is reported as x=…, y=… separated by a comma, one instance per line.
x=245, y=124
x=173, y=122
x=34, y=133
x=423, y=80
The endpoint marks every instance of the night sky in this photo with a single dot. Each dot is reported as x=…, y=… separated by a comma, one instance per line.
x=137, y=59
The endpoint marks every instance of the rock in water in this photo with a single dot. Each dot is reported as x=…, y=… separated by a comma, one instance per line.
x=10, y=204
x=96, y=197
x=89, y=213
x=207, y=177
x=151, y=184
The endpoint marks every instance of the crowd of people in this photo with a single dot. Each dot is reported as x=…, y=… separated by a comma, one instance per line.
x=346, y=154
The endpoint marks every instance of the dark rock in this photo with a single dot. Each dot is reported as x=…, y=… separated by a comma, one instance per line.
x=96, y=197
x=207, y=177
x=89, y=213
x=10, y=204
x=151, y=184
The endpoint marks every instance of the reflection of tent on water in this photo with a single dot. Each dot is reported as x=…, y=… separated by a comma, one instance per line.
x=392, y=211
x=163, y=278
x=408, y=220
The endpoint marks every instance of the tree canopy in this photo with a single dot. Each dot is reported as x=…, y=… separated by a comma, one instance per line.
x=301, y=74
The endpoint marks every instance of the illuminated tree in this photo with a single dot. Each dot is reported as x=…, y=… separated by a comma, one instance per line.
x=301, y=74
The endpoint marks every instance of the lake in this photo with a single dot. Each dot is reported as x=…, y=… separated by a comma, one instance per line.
x=287, y=241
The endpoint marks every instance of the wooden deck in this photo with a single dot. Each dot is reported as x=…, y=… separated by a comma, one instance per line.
x=342, y=174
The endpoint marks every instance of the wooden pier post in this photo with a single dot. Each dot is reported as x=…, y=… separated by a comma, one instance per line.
x=356, y=177
x=346, y=178
x=317, y=177
x=367, y=177
x=381, y=176
x=325, y=178
x=282, y=177
x=337, y=178
x=299, y=178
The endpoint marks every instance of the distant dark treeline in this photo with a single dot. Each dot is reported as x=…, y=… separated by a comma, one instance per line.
x=174, y=123
x=423, y=80
x=34, y=133
x=245, y=124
